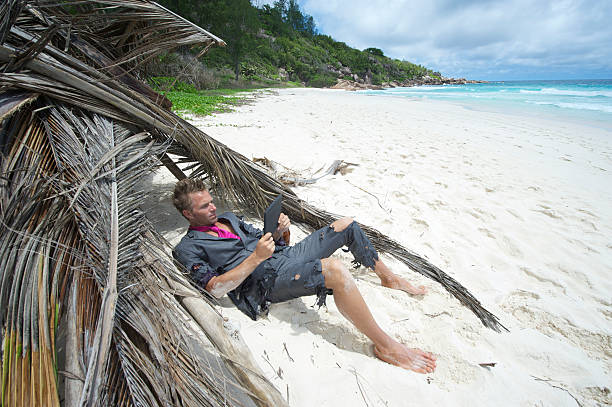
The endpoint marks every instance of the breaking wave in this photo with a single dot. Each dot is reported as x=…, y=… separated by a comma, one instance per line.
x=568, y=92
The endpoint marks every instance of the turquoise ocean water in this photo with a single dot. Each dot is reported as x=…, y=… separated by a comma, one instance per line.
x=586, y=101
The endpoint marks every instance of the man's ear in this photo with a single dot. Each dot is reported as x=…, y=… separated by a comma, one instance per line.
x=187, y=214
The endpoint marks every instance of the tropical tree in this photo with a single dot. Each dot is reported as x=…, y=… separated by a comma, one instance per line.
x=238, y=28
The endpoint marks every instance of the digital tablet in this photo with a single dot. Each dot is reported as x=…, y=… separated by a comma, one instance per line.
x=272, y=214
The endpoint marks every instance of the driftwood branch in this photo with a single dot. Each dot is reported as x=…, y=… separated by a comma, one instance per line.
x=172, y=167
x=291, y=177
x=232, y=349
x=73, y=387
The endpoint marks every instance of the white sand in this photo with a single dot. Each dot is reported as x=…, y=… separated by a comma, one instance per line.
x=517, y=209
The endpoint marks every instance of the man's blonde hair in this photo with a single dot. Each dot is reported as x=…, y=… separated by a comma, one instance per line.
x=182, y=189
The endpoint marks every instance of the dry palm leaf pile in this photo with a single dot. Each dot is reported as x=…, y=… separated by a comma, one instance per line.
x=92, y=309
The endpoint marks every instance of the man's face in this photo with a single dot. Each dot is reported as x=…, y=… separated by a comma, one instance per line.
x=203, y=211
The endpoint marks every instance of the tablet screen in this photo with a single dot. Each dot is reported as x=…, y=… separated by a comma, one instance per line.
x=272, y=214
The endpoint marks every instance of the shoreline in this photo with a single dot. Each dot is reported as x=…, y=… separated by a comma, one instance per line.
x=515, y=210
x=575, y=102
x=426, y=80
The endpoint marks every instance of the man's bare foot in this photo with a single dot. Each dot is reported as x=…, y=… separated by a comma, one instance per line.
x=390, y=280
x=411, y=359
x=398, y=283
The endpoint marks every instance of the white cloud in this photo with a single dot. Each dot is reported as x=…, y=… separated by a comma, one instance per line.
x=478, y=38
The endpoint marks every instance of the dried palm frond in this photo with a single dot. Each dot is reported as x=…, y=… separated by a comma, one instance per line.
x=9, y=10
x=68, y=236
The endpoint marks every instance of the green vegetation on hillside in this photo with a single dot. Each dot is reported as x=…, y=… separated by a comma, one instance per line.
x=279, y=43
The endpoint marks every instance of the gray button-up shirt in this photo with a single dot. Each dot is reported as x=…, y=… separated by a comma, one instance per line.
x=206, y=256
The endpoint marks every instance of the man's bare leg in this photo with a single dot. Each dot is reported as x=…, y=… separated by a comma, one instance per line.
x=351, y=304
x=387, y=277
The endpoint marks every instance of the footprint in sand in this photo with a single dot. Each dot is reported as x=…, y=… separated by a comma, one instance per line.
x=485, y=213
x=588, y=213
x=437, y=204
x=601, y=395
x=606, y=313
x=487, y=232
x=400, y=197
x=521, y=295
x=590, y=225
x=508, y=246
x=541, y=279
x=419, y=225
x=548, y=211
x=516, y=215
x=583, y=245
x=474, y=214
x=596, y=344
x=575, y=275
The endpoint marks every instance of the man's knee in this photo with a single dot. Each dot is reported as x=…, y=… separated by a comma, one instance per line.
x=340, y=224
x=336, y=275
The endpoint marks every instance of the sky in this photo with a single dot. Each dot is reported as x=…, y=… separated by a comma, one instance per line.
x=478, y=39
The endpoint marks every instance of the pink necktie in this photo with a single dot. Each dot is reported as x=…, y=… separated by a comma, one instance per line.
x=220, y=232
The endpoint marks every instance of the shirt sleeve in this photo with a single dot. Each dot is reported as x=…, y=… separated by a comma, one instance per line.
x=201, y=274
x=196, y=264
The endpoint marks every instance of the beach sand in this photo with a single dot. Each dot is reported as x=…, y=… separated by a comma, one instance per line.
x=516, y=208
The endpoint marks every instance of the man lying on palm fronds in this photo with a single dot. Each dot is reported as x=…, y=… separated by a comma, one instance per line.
x=225, y=255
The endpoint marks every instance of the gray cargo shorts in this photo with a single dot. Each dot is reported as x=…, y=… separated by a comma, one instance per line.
x=298, y=267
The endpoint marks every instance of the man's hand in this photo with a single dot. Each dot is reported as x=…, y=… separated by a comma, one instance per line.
x=283, y=225
x=226, y=282
x=265, y=247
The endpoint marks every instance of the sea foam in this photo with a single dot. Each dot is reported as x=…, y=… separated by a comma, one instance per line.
x=585, y=100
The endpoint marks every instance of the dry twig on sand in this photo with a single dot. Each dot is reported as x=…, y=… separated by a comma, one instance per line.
x=548, y=381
